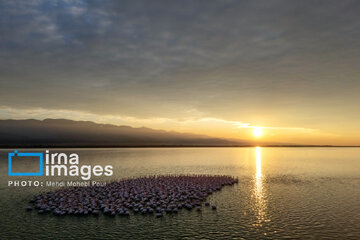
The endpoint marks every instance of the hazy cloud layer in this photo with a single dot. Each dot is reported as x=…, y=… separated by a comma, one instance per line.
x=244, y=61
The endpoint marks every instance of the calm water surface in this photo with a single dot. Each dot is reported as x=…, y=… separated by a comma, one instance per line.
x=296, y=193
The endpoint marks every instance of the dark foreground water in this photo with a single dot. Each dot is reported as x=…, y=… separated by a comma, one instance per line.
x=295, y=193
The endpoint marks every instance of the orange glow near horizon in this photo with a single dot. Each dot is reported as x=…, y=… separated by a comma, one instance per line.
x=270, y=131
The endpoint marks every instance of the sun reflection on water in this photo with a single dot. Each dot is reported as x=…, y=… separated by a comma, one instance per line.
x=258, y=166
x=259, y=195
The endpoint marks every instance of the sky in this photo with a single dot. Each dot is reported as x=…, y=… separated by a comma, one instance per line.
x=219, y=68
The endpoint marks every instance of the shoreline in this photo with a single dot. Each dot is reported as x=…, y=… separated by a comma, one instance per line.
x=175, y=146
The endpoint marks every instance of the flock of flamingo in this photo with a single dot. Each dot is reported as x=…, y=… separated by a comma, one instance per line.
x=144, y=195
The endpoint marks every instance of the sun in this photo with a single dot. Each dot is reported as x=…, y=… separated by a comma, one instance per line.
x=257, y=132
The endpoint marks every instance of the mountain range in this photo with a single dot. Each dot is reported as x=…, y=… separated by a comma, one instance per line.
x=69, y=133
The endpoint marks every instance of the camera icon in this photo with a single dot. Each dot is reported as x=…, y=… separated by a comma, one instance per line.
x=15, y=153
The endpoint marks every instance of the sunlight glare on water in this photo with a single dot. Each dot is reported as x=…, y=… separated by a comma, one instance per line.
x=259, y=198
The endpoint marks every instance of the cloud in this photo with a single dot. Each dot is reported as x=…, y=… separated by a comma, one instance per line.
x=265, y=62
x=188, y=124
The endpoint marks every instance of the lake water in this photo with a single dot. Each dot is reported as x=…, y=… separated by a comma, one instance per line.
x=296, y=193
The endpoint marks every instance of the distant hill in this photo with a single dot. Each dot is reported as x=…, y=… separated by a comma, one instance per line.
x=68, y=133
